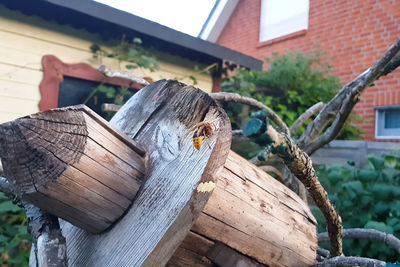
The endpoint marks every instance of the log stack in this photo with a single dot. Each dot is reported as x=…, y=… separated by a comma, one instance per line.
x=206, y=207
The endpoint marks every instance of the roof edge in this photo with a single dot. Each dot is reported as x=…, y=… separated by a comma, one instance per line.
x=216, y=21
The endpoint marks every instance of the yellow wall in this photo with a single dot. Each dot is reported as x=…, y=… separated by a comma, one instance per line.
x=25, y=39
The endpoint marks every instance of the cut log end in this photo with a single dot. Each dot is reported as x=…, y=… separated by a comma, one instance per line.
x=71, y=163
x=36, y=149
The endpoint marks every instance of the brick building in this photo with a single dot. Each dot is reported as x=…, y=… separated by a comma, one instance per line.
x=355, y=34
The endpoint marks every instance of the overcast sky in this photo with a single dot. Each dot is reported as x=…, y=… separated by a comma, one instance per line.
x=186, y=16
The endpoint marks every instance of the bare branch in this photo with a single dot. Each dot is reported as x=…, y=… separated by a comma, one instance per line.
x=300, y=165
x=237, y=132
x=233, y=97
x=340, y=107
x=5, y=187
x=394, y=64
x=50, y=246
x=122, y=74
x=110, y=107
x=305, y=116
x=369, y=234
x=351, y=262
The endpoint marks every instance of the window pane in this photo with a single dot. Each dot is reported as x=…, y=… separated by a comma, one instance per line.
x=392, y=119
x=282, y=17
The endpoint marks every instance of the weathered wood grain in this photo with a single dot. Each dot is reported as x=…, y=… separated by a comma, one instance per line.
x=158, y=117
x=197, y=250
x=256, y=215
x=67, y=162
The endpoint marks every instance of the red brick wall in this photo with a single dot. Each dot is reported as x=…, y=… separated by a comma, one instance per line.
x=354, y=33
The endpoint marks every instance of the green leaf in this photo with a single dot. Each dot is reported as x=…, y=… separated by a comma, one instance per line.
x=94, y=48
x=8, y=206
x=261, y=115
x=133, y=52
x=263, y=140
x=254, y=127
x=353, y=188
x=390, y=161
x=394, y=223
x=381, y=208
x=385, y=192
x=137, y=40
x=335, y=176
x=367, y=175
x=261, y=155
x=381, y=226
x=131, y=67
x=376, y=163
x=390, y=173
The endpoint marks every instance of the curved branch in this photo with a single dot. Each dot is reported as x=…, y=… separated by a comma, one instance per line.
x=300, y=165
x=305, y=116
x=351, y=261
x=340, y=107
x=369, y=234
x=233, y=97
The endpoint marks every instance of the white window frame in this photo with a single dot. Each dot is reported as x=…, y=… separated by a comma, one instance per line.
x=380, y=120
x=281, y=28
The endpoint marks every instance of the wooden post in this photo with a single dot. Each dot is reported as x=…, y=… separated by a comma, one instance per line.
x=73, y=164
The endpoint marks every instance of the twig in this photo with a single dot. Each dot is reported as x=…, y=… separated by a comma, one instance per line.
x=323, y=252
x=305, y=116
x=340, y=107
x=237, y=132
x=110, y=107
x=351, y=262
x=300, y=165
x=122, y=74
x=233, y=97
x=369, y=234
x=50, y=246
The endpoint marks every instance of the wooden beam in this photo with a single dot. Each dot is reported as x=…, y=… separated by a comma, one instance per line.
x=73, y=164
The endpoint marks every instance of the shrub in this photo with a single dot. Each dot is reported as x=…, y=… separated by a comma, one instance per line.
x=293, y=83
x=366, y=197
x=15, y=242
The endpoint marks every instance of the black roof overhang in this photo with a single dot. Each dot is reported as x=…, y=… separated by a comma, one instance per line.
x=113, y=23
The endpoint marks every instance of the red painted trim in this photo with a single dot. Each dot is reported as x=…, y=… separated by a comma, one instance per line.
x=54, y=71
x=216, y=81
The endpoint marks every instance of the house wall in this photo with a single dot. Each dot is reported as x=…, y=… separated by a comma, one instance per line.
x=24, y=40
x=354, y=34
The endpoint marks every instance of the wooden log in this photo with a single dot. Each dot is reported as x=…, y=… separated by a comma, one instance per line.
x=73, y=164
x=256, y=216
x=178, y=179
